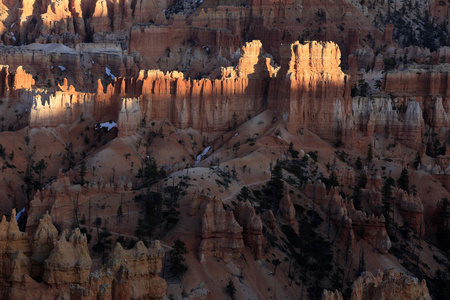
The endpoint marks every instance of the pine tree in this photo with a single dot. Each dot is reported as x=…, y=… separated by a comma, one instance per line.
x=276, y=181
x=294, y=153
x=357, y=197
x=177, y=258
x=103, y=244
x=83, y=172
x=369, y=153
x=403, y=180
x=359, y=164
x=39, y=168
x=417, y=160
x=362, y=263
x=386, y=200
x=231, y=289
x=276, y=263
x=119, y=215
x=333, y=180
x=443, y=223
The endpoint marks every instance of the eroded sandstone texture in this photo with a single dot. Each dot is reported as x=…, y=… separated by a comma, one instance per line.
x=55, y=266
x=221, y=234
x=389, y=284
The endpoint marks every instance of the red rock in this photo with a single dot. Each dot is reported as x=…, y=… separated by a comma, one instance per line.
x=287, y=209
x=221, y=234
x=387, y=35
x=411, y=208
x=252, y=227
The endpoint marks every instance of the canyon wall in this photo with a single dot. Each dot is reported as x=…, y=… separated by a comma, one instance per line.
x=308, y=90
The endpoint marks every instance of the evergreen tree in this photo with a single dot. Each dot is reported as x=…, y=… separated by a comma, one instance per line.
x=362, y=263
x=357, y=197
x=276, y=263
x=39, y=168
x=386, y=200
x=362, y=180
x=244, y=194
x=417, y=160
x=369, y=153
x=294, y=153
x=119, y=214
x=359, y=164
x=443, y=221
x=333, y=180
x=103, y=244
x=83, y=172
x=231, y=289
x=276, y=181
x=403, y=180
x=177, y=258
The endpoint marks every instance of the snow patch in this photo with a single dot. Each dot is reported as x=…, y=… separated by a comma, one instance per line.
x=12, y=33
x=51, y=67
x=108, y=72
x=199, y=158
x=108, y=125
x=62, y=68
x=48, y=184
x=235, y=135
x=20, y=212
x=14, y=39
x=12, y=25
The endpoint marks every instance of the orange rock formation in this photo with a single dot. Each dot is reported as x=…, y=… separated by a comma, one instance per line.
x=221, y=234
x=388, y=285
x=60, y=266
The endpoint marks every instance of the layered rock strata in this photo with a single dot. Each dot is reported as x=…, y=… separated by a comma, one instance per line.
x=308, y=90
x=60, y=267
x=59, y=198
x=221, y=233
x=348, y=221
x=387, y=285
x=252, y=227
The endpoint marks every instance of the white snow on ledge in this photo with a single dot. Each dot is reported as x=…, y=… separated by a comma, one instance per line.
x=62, y=68
x=199, y=158
x=108, y=125
x=108, y=72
